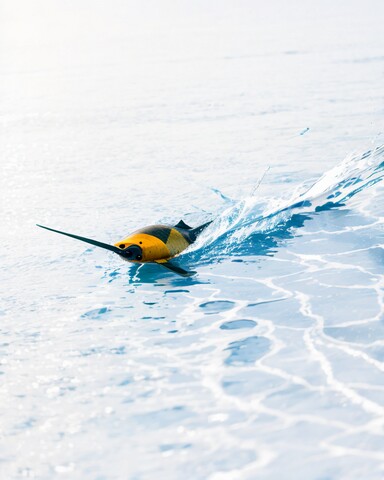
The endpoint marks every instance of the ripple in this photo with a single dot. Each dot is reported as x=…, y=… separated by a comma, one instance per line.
x=176, y=291
x=247, y=350
x=237, y=324
x=216, y=306
x=96, y=314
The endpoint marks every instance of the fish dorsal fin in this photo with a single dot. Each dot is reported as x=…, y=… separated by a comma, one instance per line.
x=182, y=224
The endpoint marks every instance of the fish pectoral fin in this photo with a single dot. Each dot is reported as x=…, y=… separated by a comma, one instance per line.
x=175, y=268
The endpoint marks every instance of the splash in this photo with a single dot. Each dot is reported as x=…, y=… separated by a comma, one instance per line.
x=255, y=226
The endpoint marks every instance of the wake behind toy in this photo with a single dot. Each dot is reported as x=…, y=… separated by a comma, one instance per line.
x=152, y=244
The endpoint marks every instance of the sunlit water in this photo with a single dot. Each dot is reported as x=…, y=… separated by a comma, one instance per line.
x=267, y=119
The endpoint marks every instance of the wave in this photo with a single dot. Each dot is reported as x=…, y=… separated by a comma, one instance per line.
x=254, y=226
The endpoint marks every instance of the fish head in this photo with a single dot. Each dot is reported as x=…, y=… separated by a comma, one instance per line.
x=130, y=251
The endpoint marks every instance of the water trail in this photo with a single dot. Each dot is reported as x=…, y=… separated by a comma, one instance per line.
x=254, y=226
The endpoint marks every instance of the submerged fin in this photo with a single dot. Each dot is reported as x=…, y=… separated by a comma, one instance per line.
x=86, y=240
x=182, y=224
x=175, y=268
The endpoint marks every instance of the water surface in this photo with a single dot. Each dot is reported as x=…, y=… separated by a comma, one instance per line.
x=267, y=118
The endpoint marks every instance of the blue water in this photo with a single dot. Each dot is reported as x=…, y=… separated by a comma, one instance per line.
x=268, y=120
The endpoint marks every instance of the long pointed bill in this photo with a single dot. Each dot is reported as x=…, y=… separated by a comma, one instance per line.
x=86, y=240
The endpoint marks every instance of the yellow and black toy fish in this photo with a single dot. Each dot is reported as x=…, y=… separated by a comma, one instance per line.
x=156, y=244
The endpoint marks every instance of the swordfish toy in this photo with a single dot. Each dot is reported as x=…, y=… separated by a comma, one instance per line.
x=153, y=244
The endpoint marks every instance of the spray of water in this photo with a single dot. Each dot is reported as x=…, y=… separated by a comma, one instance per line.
x=254, y=226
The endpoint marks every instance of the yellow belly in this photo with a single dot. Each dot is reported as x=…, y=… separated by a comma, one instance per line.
x=176, y=243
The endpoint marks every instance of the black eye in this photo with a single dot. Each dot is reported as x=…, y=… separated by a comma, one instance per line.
x=122, y=245
x=141, y=243
x=139, y=257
